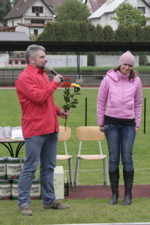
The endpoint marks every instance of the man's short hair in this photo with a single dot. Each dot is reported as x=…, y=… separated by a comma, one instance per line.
x=32, y=50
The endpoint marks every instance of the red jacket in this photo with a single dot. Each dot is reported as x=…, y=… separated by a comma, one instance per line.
x=35, y=93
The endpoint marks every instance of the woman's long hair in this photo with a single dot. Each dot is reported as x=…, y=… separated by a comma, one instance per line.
x=132, y=75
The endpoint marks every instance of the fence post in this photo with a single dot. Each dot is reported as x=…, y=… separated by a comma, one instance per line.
x=85, y=111
x=144, y=115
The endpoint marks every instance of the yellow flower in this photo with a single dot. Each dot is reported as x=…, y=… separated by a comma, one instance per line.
x=75, y=85
x=69, y=96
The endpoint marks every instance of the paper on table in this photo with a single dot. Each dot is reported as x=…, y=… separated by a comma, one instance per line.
x=16, y=133
x=5, y=132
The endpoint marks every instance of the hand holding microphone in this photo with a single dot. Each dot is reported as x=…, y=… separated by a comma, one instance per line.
x=57, y=77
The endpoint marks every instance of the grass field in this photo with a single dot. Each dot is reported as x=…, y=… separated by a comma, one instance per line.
x=10, y=115
x=89, y=210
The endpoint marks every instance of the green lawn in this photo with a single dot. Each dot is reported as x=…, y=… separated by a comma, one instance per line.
x=81, y=211
x=89, y=210
x=10, y=115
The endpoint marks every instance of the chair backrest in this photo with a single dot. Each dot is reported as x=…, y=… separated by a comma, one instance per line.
x=64, y=133
x=89, y=133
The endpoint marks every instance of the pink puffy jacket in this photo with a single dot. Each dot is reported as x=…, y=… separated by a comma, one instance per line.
x=120, y=98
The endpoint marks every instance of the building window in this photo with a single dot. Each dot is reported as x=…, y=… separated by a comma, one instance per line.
x=35, y=32
x=23, y=62
x=37, y=9
x=37, y=21
x=142, y=9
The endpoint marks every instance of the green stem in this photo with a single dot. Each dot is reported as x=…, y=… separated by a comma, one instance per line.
x=65, y=123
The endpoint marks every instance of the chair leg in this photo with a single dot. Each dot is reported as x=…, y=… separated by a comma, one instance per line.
x=77, y=171
x=71, y=172
x=106, y=174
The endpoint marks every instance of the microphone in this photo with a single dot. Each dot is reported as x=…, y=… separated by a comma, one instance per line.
x=55, y=73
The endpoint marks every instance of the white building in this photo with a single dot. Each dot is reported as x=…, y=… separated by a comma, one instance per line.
x=103, y=15
x=31, y=16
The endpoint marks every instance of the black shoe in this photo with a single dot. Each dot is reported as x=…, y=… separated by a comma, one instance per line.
x=114, y=198
x=128, y=199
x=128, y=183
x=114, y=180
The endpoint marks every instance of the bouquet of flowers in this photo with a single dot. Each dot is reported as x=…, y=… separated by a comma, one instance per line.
x=69, y=94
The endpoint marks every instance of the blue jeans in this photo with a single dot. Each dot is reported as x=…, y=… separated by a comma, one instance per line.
x=120, y=140
x=39, y=148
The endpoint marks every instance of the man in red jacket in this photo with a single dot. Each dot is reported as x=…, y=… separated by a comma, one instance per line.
x=40, y=128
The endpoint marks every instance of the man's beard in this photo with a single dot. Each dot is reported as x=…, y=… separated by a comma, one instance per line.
x=41, y=67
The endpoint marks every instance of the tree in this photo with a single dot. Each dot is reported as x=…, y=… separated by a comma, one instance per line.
x=99, y=33
x=126, y=34
x=108, y=33
x=4, y=9
x=139, y=33
x=84, y=31
x=72, y=10
x=129, y=15
x=48, y=34
x=66, y=31
x=92, y=32
x=146, y=33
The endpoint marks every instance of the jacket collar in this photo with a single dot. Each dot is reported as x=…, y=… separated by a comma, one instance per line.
x=117, y=75
x=35, y=70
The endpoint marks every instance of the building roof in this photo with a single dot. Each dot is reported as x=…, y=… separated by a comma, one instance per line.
x=13, y=36
x=110, y=6
x=107, y=7
x=147, y=2
x=96, y=4
x=53, y=3
x=21, y=7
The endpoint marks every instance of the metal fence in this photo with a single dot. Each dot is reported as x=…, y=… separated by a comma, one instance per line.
x=8, y=77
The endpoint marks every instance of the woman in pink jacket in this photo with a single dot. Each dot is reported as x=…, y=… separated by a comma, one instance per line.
x=119, y=107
